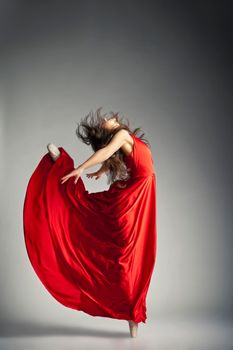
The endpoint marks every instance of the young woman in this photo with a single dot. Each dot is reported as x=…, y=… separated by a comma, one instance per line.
x=95, y=252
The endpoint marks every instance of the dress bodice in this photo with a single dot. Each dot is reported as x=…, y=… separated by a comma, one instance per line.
x=140, y=160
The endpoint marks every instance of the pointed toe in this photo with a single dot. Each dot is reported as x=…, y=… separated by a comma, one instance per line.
x=133, y=327
x=53, y=151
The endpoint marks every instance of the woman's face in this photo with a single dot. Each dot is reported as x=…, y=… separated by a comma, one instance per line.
x=110, y=123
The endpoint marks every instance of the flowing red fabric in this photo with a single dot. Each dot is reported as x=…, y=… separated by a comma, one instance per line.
x=94, y=252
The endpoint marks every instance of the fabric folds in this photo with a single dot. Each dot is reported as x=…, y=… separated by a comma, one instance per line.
x=94, y=252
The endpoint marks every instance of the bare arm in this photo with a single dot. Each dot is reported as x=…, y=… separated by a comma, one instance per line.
x=104, y=153
x=99, y=156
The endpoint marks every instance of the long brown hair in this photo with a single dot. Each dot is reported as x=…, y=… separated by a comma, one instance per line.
x=91, y=132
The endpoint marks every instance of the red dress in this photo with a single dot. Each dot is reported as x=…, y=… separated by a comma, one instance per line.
x=94, y=252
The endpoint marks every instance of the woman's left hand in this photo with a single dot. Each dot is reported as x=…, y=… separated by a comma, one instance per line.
x=76, y=172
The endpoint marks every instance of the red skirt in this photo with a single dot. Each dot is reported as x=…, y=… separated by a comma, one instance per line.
x=93, y=252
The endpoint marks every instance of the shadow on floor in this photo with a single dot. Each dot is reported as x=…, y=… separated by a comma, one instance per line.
x=36, y=329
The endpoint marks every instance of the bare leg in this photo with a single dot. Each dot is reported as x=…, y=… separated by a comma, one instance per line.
x=133, y=327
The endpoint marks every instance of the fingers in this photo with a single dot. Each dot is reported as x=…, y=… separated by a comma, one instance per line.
x=71, y=174
x=65, y=178
x=91, y=174
x=76, y=180
x=74, y=173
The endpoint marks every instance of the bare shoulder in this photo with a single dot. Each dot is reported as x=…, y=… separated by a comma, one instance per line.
x=124, y=134
x=128, y=142
x=119, y=140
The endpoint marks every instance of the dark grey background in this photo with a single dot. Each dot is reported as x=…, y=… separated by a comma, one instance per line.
x=166, y=66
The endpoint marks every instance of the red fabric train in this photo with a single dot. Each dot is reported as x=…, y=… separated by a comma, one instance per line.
x=94, y=252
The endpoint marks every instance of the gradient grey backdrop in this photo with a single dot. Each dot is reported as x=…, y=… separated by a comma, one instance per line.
x=165, y=65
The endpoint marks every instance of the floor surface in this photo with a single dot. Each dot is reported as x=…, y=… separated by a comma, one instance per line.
x=114, y=334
